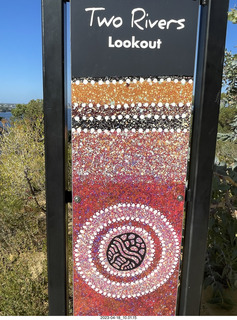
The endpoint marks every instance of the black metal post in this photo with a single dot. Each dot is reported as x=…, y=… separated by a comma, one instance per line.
x=211, y=47
x=55, y=150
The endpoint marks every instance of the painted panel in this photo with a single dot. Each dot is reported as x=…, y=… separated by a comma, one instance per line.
x=130, y=140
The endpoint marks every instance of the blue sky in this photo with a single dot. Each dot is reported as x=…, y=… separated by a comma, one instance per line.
x=21, y=50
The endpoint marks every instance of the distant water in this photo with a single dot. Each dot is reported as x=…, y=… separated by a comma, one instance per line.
x=7, y=116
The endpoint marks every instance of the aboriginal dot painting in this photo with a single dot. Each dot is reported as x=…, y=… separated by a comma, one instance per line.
x=130, y=145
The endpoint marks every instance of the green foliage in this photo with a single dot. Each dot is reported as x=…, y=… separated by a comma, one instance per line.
x=23, y=285
x=230, y=78
x=22, y=164
x=30, y=111
x=226, y=119
x=221, y=261
x=221, y=258
x=230, y=136
x=232, y=15
x=23, y=265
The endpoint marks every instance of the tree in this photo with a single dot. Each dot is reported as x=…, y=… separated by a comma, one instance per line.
x=23, y=267
x=31, y=111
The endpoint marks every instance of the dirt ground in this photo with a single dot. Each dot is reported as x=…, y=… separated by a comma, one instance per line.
x=214, y=309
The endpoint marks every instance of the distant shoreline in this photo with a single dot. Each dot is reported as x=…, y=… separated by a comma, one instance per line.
x=7, y=107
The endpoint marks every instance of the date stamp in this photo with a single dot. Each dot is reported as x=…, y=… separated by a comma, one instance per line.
x=119, y=317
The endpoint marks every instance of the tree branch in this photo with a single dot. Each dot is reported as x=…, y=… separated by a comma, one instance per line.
x=32, y=191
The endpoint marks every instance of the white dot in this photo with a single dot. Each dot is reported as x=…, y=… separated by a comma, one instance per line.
x=85, y=81
x=77, y=82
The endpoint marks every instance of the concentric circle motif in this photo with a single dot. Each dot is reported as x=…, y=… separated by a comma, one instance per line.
x=125, y=237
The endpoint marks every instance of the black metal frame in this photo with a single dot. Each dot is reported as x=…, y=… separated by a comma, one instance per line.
x=206, y=103
x=211, y=47
x=53, y=12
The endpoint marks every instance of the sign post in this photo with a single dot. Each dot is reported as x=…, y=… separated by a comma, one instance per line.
x=211, y=48
x=132, y=88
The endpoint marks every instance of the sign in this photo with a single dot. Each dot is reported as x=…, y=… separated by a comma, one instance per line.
x=112, y=38
x=130, y=138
